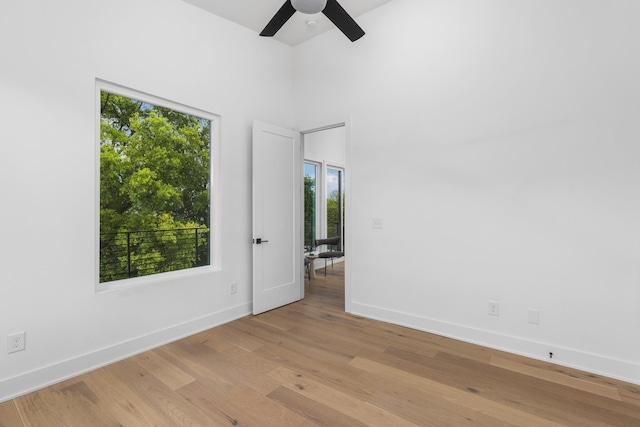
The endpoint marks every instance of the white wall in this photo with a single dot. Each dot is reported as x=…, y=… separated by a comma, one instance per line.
x=51, y=53
x=326, y=146
x=498, y=140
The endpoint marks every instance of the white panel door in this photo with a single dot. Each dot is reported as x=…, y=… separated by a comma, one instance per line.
x=277, y=217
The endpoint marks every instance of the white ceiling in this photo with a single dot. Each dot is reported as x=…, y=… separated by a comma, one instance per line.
x=255, y=14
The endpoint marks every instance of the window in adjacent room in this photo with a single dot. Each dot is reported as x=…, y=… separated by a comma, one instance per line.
x=310, y=205
x=155, y=185
x=335, y=202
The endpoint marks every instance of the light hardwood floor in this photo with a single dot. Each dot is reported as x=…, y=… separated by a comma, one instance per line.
x=310, y=364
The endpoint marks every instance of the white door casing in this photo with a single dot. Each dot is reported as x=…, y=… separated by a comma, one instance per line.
x=277, y=217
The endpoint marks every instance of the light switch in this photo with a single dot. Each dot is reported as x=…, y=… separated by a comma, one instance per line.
x=378, y=223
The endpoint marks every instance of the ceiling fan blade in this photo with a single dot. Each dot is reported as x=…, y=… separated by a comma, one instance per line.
x=342, y=20
x=279, y=19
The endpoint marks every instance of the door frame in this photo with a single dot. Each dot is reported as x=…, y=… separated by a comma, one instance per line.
x=316, y=126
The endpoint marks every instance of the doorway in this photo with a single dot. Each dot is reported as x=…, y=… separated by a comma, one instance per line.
x=325, y=196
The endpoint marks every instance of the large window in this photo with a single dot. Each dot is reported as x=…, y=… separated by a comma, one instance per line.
x=155, y=186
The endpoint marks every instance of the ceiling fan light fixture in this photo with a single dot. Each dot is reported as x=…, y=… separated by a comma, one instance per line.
x=309, y=6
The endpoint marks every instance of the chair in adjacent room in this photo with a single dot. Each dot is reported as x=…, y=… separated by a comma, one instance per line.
x=307, y=267
x=334, y=250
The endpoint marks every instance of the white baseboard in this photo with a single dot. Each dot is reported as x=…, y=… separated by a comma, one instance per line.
x=57, y=372
x=589, y=362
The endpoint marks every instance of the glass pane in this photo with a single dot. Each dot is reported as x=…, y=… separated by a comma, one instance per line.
x=335, y=207
x=154, y=189
x=310, y=180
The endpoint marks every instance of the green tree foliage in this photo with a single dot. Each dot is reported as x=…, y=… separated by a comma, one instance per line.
x=309, y=212
x=333, y=214
x=154, y=175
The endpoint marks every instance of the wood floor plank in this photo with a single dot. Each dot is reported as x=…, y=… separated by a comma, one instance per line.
x=188, y=357
x=9, y=415
x=540, y=396
x=341, y=377
x=570, y=372
x=488, y=407
x=426, y=366
x=227, y=333
x=271, y=413
x=526, y=393
x=245, y=407
x=125, y=404
x=630, y=396
x=235, y=366
x=71, y=403
x=291, y=347
x=165, y=401
x=430, y=411
x=332, y=340
x=163, y=370
x=320, y=414
x=348, y=405
x=248, y=369
x=414, y=400
x=214, y=405
x=212, y=339
x=292, y=342
x=238, y=369
x=430, y=344
x=276, y=319
x=577, y=383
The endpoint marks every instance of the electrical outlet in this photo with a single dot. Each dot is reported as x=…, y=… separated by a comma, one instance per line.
x=15, y=342
x=494, y=308
x=233, y=287
x=533, y=316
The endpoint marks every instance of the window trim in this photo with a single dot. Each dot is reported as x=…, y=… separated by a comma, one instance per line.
x=214, y=199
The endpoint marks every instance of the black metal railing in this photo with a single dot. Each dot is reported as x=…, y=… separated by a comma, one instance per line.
x=141, y=253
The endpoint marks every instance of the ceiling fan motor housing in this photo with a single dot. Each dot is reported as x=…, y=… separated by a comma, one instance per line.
x=309, y=6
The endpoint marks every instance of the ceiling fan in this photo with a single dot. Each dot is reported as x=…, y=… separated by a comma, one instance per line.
x=330, y=8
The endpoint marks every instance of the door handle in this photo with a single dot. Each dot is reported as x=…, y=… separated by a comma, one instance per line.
x=260, y=241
